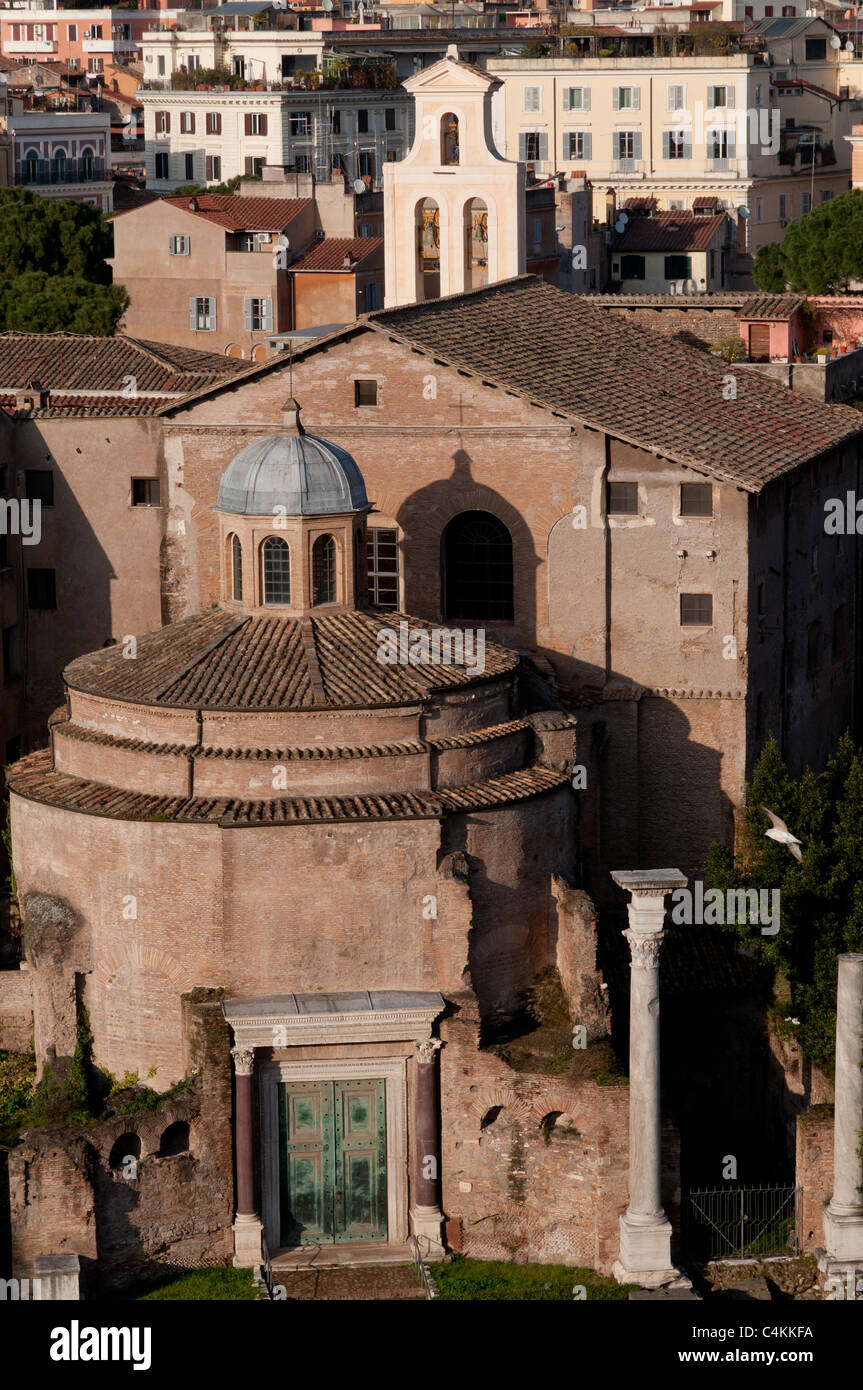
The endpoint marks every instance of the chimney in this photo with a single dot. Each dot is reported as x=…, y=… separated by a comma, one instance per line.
x=31, y=397
x=193, y=205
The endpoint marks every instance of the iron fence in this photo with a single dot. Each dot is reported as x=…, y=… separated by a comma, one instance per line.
x=423, y=1275
x=736, y=1222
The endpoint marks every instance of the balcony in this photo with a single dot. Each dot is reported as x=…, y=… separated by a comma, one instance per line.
x=14, y=46
x=113, y=45
x=44, y=171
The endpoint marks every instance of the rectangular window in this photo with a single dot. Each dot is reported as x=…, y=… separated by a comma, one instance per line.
x=696, y=499
x=95, y=65
x=577, y=144
x=187, y=122
x=253, y=165
x=805, y=202
x=720, y=144
x=178, y=246
x=720, y=96
x=162, y=166
x=626, y=145
x=389, y=118
x=362, y=121
x=39, y=486
x=213, y=167
x=675, y=97
x=576, y=98
x=41, y=589
x=160, y=64
x=373, y=296
x=163, y=123
x=531, y=99
x=622, y=499
x=532, y=146
x=298, y=123
x=816, y=50
x=202, y=314
x=537, y=231
x=365, y=229
x=632, y=267
x=189, y=166
x=72, y=33
x=826, y=195
x=336, y=121
x=676, y=145
x=696, y=610
x=365, y=392
x=255, y=123
x=11, y=653
x=258, y=315
x=678, y=267
x=214, y=122
x=782, y=207
x=383, y=567
x=626, y=98
x=193, y=62
x=145, y=492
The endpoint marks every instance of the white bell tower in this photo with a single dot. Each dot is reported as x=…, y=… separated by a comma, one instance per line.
x=454, y=208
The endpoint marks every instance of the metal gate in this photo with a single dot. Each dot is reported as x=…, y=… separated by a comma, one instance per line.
x=735, y=1222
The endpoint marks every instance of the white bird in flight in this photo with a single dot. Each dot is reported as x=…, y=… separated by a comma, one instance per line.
x=779, y=831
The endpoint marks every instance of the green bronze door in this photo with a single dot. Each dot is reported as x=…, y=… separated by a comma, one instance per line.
x=332, y=1161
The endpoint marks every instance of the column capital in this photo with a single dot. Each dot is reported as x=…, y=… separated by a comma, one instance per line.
x=244, y=1059
x=648, y=890
x=644, y=948
x=427, y=1049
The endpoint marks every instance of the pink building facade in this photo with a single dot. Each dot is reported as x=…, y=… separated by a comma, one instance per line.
x=91, y=40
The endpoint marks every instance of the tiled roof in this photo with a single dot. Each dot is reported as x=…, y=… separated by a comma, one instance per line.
x=640, y=204
x=771, y=306
x=564, y=354
x=332, y=253
x=219, y=660
x=87, y=405
x=706, y=200
x=34, y=779
x=65, y=362
x=716, y=299
x=238, y=214
x=669, y=231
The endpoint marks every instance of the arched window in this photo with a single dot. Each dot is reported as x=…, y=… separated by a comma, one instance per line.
x=174, y=1140
x=449, y=138
x=324, y=570
x=428, y=249
x=31, y=166
x=235, y=555
x=88, y=162
x=59, y=166
x=477, y=568
x=125, y=1154
x=277, y=571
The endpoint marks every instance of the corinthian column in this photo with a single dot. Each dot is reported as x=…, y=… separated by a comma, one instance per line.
x=843, y=1217
x=645, y=1231
x=247, y=1224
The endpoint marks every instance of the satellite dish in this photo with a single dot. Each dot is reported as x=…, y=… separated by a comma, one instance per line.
x=849, y=46
x=620, y=225
x=835, y=42
x=623, y=217
x=743, y=212
x=328, y=5
x=283, y=242
x=359, y=186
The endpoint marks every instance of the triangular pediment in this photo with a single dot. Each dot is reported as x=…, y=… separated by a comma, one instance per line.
x=450, y=75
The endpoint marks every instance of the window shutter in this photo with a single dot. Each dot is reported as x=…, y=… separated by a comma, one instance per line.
x=731, y=137
x=522, y=145
x=688, y=260
x=191, y=122
x=247, y=122
x=586, y=139
x=193, y=313
x=543, y=145
x=670, y=94
x=567, y=98
x=267, y=316
x=666, y=144
x=636, y=98
x=615, y=145
x=711, y=97
x=616, y=99
x=687, y=144
x=636, y=153
x=249, y=162
x=247, y=313
x=211, y=312
x=262, y=125
x=567, y=146
x=585, y=98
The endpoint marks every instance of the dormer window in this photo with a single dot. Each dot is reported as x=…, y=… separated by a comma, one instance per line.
x=277, y=571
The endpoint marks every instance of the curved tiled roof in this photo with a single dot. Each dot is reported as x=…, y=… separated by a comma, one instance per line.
x=34, y=779
x=222, y=660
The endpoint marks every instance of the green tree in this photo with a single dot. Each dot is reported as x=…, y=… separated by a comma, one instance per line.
x=821, y=252
x=768, y=269
x=821, y=896
x=53, y=234
x=37, y=302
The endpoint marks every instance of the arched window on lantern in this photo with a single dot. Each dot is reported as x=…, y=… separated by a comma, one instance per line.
x=449, y=151
x=277, y=570
x=235, y=560
x=323, y=571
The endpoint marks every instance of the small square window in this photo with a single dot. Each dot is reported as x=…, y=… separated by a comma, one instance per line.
x=623, y=499
x=145, y=492
x=39, y=486
x=696, y=499
x=696, y=610
x=42, y=589
x=365, y=393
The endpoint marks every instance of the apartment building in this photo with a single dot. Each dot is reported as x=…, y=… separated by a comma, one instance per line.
x=674, y=252
x=89, y=40
x=63, y=155
x=754, y=133
x=209, y=136
x=204, y=41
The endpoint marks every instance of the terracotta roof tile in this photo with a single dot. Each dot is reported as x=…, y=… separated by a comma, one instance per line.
x=218, y=660
x=238, y=214
x=332, y=252
x=669, y=231
x=64, y=362
x=771, y=306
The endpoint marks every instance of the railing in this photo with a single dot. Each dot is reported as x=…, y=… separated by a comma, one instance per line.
x=423, y=1275
x=267, y=1268
x=42, y=171
x=733, y=1223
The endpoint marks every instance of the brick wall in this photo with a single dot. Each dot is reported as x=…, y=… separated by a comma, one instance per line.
x=814, y=1172
x=16, y=1011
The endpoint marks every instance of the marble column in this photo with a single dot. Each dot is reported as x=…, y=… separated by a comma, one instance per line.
x=247, y=1224
x=843, y=1216
x=426, y=1214
x=645, y=1231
